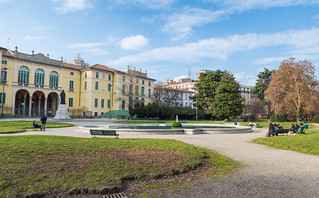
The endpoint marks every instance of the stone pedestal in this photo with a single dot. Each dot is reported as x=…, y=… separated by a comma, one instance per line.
x=62, y=113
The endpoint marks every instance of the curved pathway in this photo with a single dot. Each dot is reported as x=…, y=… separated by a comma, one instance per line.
x=269, y=172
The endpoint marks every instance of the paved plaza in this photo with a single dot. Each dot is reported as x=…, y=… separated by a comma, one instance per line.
x=268, y=172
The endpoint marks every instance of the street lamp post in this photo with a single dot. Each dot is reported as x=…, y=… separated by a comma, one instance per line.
x=275, y=105
x=3, y=80
x=196, y=103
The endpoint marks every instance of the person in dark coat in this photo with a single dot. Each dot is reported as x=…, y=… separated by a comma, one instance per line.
x=43, y=122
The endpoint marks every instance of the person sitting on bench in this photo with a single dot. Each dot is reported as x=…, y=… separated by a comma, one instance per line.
x=35, y=125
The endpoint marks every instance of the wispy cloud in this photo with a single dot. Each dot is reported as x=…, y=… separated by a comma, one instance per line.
x=4, y=1
x=29, y=37
x=92, y=48
x=151, y=4
x=221, y=48
x=242, y=5
x=279, y=59
x=181, y=23
x=134, y=42
x=65, y=6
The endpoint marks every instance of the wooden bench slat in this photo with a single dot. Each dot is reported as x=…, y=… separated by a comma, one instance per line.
x=94, y=132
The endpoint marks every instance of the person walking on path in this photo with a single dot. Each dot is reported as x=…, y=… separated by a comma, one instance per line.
x=43, y=122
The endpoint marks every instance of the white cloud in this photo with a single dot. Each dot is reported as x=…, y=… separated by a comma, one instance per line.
x=182, y=23
x=92, y=48
x=152, y=4
x=134, y=42
x=4, y=1
x=265, y=61
x=29, y=37
x=65, y=6
x=221, y=48
x=242, y=5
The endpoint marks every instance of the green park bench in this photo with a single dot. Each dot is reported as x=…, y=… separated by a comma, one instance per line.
x=281, y=131
x=95, y=132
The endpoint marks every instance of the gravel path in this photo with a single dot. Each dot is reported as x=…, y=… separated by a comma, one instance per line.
x=269, y=172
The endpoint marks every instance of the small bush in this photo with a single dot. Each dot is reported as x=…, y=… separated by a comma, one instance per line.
x=176, y=125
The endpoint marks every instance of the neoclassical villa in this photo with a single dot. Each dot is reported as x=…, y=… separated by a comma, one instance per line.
x=31, y=85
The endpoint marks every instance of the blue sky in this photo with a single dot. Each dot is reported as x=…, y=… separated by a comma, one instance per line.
x=166, y=37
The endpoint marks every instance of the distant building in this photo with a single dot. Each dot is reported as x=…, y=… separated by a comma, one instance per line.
x=79, y=61
x=33, y=82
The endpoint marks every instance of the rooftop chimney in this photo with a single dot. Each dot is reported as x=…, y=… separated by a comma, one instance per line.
x=61, y=59
x=48, y=55
x=32, y=52
x=16, y=48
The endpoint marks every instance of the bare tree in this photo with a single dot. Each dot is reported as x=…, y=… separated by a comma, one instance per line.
x=295, y=88
x=167, y=96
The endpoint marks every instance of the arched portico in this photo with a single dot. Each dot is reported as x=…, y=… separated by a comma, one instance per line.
x=53, y=101
x=22, y=103
x=38, y=104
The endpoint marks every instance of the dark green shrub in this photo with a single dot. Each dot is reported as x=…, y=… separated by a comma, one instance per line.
x=176, y=125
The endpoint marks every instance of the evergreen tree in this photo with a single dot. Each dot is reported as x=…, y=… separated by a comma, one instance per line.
x=227, y=101
x=262, y=83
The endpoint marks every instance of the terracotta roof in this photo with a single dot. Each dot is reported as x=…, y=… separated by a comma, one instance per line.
x=7, y=53
x=105, y=68
x=72, y=66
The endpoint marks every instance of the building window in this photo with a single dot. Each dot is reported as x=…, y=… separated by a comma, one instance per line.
x=149, y=93
x=136, y=90
x=3, y=76
x=54, y=79
x=96, y=102
x=123, y=89
x=70, y=102
x=142, y=91
x=149, y=83
x=142, y=82
x=3, y=96
x=136, y=80
x=5, y=62
x=96, y=85
x=142, y=101
x=110, y=78
x=71, y=73
x=71, y=85
x=85, y=75
x=39, y=78
x=95, y=114
x=97, y=75
x=102, y=103
x=131, y=89
x=103, y=76
x=23, y=77
x=109, y=87
x=108, y=103
x=85, y=85
x=123, y=104
x=123, y=78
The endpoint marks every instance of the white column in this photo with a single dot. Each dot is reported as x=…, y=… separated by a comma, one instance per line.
x=30, y=105
x=45, y=105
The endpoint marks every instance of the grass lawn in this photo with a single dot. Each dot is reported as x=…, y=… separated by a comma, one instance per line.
x=14, y=126
x=45, y=164
x=169, y=121
x=306, y=143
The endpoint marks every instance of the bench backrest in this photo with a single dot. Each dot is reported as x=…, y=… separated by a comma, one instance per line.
x=109, y=132
x=282, y=131
x=96, y=132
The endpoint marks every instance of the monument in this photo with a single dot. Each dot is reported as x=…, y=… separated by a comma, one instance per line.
x=62, y=112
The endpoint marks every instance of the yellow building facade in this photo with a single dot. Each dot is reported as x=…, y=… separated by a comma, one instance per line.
x=32, y=83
